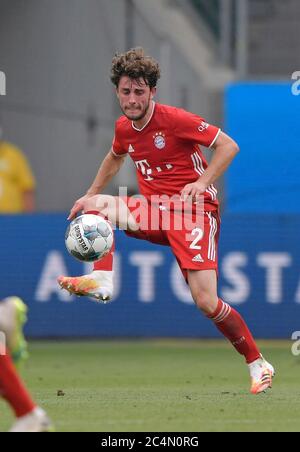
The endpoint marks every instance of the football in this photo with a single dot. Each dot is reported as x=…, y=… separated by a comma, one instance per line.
x=89, y=238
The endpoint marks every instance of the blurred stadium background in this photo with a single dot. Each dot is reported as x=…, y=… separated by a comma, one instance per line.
x=230, y=61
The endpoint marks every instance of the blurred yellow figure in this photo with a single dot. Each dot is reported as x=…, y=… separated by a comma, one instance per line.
x=17, y=183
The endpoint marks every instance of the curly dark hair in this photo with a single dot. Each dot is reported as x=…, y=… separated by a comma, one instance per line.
x=135, y=64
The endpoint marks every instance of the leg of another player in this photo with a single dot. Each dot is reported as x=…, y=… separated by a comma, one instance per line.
x=203, y=285
x=30, y=418
x=99, y=284
x=13, y=390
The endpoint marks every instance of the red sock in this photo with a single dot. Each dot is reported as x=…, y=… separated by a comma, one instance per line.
x=233, y=327
x=106, y=263
x=12, y=389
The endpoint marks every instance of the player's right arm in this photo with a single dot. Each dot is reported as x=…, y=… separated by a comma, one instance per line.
x=110, y=166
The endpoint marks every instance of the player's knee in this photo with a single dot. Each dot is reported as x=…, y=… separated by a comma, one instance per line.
x=206, y=302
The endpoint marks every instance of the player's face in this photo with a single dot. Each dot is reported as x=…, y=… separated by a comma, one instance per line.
x=134, y=97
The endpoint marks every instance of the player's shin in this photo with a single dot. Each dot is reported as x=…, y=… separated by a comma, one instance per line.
x=230, y=323
x=103, y=269
x=12, y=388
x=106, y=263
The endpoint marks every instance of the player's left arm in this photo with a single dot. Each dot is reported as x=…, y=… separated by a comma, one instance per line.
x=224, y=151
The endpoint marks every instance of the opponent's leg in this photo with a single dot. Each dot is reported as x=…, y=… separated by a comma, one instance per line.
x=203, y=285
x=29, y=416
x=99, y=284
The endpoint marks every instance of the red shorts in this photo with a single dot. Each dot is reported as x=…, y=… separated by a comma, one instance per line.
x=193, y=242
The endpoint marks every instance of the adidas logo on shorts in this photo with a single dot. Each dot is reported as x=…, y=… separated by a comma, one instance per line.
x=198, y=258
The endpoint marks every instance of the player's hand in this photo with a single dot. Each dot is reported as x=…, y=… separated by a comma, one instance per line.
x=79, y=206
x=193, y=192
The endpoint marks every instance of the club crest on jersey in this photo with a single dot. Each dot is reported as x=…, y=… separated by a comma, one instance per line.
x=159, y=140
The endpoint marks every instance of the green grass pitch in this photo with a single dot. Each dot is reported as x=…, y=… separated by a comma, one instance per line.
x=159, y=386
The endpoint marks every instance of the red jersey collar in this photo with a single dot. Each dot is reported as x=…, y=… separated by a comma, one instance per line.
x=140, y=130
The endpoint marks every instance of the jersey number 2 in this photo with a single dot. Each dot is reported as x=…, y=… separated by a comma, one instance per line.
x=199, y=232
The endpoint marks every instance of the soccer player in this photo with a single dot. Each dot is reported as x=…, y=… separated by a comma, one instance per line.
x=164, y=144
x=13, y=347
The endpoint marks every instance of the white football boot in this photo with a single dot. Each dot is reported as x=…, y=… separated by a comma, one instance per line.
x=98, y=285
x=261, y=373
x=34, y=422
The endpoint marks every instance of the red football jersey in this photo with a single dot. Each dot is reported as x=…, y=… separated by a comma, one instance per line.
x=166, y=151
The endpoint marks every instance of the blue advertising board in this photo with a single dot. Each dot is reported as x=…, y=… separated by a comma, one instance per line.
x=259, y=275
x=264, y=119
